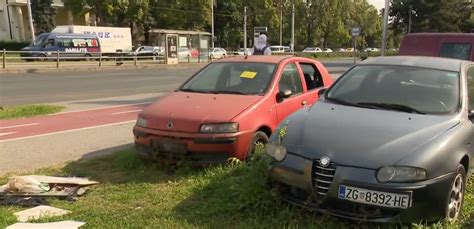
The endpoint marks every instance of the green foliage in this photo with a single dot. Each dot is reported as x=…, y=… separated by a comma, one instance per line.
x=43, y=15
x=432, y=16
x=133, y=194
x=28, y=111
x=12, y=45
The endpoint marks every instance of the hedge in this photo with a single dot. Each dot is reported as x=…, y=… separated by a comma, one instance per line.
x=13, y=45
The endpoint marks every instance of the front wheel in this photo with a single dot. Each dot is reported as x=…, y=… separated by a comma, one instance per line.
x=258, y=140
x=455, y=198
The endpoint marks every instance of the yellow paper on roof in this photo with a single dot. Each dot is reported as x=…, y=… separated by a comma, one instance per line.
x=248, y=74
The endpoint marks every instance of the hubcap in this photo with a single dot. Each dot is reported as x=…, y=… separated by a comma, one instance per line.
x=455, y=198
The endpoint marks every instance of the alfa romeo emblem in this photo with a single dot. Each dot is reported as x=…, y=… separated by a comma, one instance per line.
x=170, y=125
x=324, y=161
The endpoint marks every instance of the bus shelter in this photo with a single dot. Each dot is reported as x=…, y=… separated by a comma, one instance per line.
x=182, y=45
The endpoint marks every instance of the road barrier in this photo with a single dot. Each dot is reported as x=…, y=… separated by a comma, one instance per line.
x=57, y=59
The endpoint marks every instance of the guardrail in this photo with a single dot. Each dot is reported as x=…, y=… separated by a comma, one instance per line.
x=57, y=59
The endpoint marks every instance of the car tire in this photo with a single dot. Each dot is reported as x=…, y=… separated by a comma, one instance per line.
x=455, y=195
x=41, y=58
x=258, y=138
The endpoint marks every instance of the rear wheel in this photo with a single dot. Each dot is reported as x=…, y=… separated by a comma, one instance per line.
x=87, y=57
x=455, y=198
x=41, y=58
x=258, y=140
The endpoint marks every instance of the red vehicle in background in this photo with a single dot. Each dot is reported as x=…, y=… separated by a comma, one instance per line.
x=227, y=108
x=450, y=45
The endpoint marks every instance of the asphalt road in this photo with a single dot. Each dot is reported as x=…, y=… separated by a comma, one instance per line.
x=33, y=88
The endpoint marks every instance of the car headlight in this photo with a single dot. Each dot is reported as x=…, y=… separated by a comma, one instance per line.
x=400, y=174
x=220, y=128
x=142, y=122
x=277, y=151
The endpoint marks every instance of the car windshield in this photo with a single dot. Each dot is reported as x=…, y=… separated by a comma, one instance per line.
x=40, y=40
x=244, y=78
x=401, y=88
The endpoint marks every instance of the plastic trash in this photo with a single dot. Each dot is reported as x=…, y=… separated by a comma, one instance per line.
x=26, y=184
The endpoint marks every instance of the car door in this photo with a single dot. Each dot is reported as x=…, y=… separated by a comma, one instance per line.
x=290, y=79
x=470, y=95
x=313, y=81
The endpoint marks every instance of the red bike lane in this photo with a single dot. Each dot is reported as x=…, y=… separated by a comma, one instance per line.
x=15, y=129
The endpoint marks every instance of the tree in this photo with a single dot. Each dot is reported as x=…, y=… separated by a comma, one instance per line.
x=431, y=16
x=43, y=15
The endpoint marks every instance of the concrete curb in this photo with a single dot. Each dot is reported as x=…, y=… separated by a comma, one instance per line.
x=89, y=68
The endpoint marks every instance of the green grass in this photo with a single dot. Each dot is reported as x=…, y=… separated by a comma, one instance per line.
x=132, y=194
x=28, y=111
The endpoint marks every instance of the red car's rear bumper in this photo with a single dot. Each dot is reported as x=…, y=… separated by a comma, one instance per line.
x=200, y=148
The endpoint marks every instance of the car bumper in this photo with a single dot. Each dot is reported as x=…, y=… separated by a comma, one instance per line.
x=297, y=185
x=199, y=148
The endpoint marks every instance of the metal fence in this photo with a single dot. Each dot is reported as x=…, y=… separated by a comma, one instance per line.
x=57, y=59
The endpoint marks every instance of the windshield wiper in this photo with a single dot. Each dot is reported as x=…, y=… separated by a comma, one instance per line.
x=229, y=92
x=343, y=102
x=192, y=90
x=392, y=106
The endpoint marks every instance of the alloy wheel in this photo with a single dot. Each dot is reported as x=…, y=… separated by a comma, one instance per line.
x=456, y=198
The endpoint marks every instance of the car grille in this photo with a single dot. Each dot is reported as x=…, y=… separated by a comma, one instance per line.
x=322, y=177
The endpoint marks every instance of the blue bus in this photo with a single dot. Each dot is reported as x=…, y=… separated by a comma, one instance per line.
x=69, y=45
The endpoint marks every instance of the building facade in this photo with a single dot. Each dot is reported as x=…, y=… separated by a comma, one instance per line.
x=14, y=25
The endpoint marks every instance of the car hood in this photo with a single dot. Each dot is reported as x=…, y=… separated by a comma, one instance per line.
x=30, y=48
x=362, y=137
x=187, y=111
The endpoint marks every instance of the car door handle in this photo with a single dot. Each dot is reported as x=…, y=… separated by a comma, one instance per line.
x=304, y=103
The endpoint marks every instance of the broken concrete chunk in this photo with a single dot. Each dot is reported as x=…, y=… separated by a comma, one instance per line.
x=55, y=225
x=64, y=180
x=39, y=212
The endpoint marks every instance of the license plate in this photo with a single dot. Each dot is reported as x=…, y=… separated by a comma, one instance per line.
x=384, y=199
x=169, y=146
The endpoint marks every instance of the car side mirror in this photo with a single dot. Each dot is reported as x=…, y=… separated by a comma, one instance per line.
x=283, y=95
x=470, y=114
x=322, y=91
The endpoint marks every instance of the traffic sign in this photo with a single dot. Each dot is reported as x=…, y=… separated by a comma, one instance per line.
x=355, y=31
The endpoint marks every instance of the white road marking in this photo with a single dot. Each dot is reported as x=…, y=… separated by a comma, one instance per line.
x=3, y=134
x=9, y=127
x=124, y=112
x=102, y=108
x=67, y=131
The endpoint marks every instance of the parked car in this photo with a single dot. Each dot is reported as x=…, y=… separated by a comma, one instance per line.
x=277, y=49
x=183, y=53
x=341, y=50
x=327, y=50
x=241, y=52
x=351, y=50
x=371, y=50
x=227, y=108
x=217, y=53
x=450, y=45
x=71, y=46
x=312, y=49
x=388, y=142
x=287, y=49
x=143, y=52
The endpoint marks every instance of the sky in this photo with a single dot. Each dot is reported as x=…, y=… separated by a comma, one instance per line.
x=379, y=4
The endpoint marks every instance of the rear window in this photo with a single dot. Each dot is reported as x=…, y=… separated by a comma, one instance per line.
x=460, y=51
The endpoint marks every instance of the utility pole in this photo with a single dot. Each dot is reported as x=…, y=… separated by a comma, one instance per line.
x=245, y=30
x=281, y=22
x=30, y=19
x=385, y=25
x=293, y=28
x=212, y=22
x=409, y=19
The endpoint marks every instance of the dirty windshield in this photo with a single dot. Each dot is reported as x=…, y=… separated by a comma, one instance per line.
x=232, y=78
x=406, y=89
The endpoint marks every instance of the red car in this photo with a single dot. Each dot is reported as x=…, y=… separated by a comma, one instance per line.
x=227, y=108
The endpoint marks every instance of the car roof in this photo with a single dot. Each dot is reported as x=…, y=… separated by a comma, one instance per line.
x=416, y=61
x=257, y=58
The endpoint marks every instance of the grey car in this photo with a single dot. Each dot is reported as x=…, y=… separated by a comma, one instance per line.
x=390, y=141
